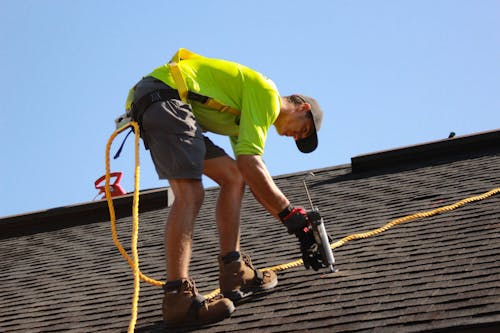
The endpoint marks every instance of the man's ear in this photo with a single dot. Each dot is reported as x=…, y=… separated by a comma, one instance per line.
x=305, y=107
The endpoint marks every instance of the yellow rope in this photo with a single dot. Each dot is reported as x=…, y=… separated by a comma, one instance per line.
x=415, y=216
x=135, y=202
x=377, y=231
x=391, y=224
x=134, y=261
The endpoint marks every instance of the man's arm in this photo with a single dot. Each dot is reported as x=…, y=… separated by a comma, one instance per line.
x=264, y=189
x=261, y=184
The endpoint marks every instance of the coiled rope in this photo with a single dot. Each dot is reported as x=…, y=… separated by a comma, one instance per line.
x=134, y=261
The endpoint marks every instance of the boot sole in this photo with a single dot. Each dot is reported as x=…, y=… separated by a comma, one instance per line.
x=191, y=323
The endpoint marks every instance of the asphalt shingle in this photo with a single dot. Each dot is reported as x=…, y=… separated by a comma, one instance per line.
x=430, y=274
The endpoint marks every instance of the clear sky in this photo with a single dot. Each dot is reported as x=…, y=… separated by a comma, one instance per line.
x=387, y=73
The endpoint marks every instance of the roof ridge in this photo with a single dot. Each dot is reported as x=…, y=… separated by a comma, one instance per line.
x=425, y=151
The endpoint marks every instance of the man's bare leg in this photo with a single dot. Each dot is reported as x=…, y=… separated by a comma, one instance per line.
x=236, y=275
x=189, y=195
x=224, y=171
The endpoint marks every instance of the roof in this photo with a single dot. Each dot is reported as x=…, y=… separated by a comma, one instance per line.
x=60, y=270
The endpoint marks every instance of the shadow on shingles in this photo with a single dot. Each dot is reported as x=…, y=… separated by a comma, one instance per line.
x=160, y=326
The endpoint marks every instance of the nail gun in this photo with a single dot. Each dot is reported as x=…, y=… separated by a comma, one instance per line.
x=322, y=240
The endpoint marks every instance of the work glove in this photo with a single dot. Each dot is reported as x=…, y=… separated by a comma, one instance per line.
x=297, y=222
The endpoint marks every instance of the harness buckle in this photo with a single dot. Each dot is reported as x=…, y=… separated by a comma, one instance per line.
x=123, y=120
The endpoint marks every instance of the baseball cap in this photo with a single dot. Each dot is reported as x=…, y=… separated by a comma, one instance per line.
x=309, y=144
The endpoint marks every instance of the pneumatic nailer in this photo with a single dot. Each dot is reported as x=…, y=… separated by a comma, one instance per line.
x=321, y=248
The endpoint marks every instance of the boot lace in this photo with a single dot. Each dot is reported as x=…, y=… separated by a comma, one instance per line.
x=247, y=260
x=189, y=285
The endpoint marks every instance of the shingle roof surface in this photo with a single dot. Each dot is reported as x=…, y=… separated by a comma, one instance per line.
x=434, y=273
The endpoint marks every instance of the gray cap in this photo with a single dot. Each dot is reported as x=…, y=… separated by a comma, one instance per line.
x=309, y=144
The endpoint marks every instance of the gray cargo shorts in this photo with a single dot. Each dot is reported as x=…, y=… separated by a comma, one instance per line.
x=176, y=142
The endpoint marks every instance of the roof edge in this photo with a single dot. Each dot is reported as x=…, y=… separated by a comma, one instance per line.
x=420, y=152
x=84, y=213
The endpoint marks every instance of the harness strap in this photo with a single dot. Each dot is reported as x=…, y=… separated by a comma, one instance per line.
x=179, y=81
x=213, y=104
x=123, y=143
x=141, y=105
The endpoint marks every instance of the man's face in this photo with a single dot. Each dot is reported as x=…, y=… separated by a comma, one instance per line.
x=299, y=125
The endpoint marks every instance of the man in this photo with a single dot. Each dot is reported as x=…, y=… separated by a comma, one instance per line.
x=174, y=105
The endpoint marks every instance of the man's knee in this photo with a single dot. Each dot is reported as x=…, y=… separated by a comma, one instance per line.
x=233, y=178
x=188, y=193
x=224, y=171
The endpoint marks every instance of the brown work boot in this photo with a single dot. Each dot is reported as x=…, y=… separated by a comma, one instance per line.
x=183, y=305
x=239, y=279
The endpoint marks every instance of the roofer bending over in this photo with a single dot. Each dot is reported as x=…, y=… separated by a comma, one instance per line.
x=174, y=105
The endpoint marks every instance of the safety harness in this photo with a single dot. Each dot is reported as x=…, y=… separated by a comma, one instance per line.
x=141, y=105
x=182, y=92
x=135, y=110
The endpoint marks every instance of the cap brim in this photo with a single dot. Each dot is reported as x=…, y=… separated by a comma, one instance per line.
x=309, y=144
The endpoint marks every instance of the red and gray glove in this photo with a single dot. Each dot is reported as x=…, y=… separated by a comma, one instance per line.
x=296, y=221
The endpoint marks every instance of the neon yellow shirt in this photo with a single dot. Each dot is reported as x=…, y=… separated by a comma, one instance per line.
x=237, y=86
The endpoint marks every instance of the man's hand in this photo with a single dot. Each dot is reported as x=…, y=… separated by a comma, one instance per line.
x=294, y=219
x=311, y=255
x=297, y=223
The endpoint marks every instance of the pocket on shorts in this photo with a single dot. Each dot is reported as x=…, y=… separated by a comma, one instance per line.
x=173, y=117
x=177, y=156
x=183, y=117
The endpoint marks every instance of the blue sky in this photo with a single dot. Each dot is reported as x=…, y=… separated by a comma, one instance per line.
x=387, y=73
